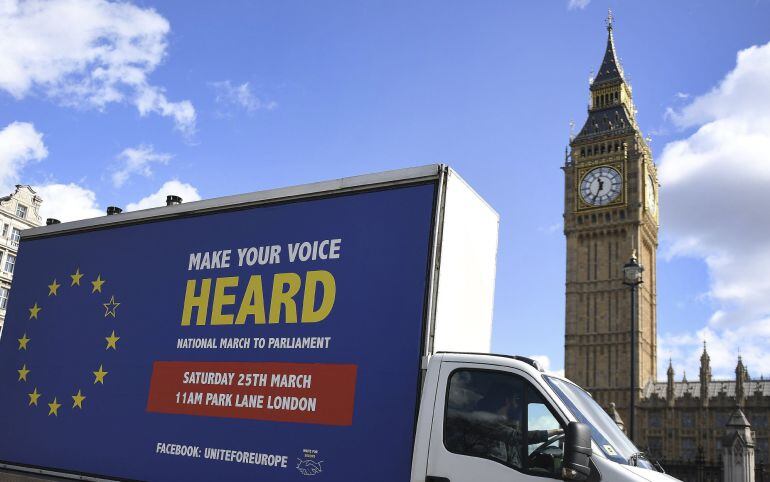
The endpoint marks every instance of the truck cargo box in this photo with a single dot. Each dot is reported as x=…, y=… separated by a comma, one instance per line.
x=277, y=335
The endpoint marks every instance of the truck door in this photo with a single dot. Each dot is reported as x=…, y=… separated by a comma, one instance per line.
x=493, y=424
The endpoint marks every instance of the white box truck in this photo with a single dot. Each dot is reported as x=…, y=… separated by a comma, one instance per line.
x=325, y=332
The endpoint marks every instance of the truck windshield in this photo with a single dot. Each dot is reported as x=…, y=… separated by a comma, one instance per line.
x=605, y=432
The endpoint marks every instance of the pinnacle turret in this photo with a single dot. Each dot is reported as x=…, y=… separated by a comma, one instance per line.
x=670, y=394
x=610, y=70
x=741, y=378
x=705, y=376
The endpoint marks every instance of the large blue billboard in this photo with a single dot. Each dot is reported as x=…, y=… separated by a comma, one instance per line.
x=279, y=342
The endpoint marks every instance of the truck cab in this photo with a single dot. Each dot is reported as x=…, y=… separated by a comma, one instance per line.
x=496, y=418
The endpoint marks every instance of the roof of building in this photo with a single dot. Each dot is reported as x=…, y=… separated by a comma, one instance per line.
x=613, y=120
x=738, y=419
x=19, y=187
x=611, y=70
x=684, y=388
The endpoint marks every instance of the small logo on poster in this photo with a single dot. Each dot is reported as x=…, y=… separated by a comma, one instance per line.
x=309, y=463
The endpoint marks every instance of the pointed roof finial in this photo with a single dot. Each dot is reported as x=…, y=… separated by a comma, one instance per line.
x=610, y=69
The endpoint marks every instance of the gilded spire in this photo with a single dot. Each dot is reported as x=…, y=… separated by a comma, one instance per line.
x=610, y=70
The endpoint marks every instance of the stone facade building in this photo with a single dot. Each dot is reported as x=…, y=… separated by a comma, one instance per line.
x=611, y=212
x=18, y=211
x=686, y=420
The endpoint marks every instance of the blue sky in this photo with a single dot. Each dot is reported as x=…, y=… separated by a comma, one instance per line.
x=228, y=97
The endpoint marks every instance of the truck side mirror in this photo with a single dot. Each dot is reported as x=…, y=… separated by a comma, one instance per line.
x=577, y=452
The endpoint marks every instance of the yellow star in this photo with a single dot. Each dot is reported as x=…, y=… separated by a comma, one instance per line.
x=98, y=282
x=100, y=375
x=112, y=341
x=78, y=400
x=111, y=307
x=76, y=277
x=23, y=342
x=54, y=407
x=23, y=373
x=53, y=287
x=33, y=397
x=34, y=311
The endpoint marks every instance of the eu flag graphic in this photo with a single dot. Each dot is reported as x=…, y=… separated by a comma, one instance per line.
x=61, y=314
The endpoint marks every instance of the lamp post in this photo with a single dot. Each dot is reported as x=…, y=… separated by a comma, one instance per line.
x=632, y=277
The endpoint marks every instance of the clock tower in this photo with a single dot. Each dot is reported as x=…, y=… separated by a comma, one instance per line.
x=610, y=213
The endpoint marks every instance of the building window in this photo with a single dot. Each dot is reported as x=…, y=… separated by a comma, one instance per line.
x=3, y=298
x=15, y=237
x=5, y=230
x=688, y=420
x=688, y=448
x=10, y=263
x=21, y=210
x=758, y=421
x=654, y=420
x=721, y=419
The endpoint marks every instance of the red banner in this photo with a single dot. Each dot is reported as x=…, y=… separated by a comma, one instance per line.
x=286, y=392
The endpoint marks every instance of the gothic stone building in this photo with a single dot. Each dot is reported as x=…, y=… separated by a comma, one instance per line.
x=685, y=420
x=610, y=212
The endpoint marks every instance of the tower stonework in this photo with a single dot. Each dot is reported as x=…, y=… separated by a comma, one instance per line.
x=610, y=212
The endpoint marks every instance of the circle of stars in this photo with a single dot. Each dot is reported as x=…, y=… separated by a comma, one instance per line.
x=36, y=309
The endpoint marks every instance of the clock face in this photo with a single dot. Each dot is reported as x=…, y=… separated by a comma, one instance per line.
x=601, y=186
x=650, y=195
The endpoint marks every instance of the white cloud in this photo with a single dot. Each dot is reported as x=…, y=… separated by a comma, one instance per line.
x=239, y=96
x=87, y=53
x=577, y=4
x=137, y=160
x=20, y=144
x=715, y=193
x=186, y=191
x=67, y=202
x=551, y=228
x=545, y=364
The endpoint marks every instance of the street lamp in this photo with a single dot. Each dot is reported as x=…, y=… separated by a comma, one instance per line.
x=632, y=277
